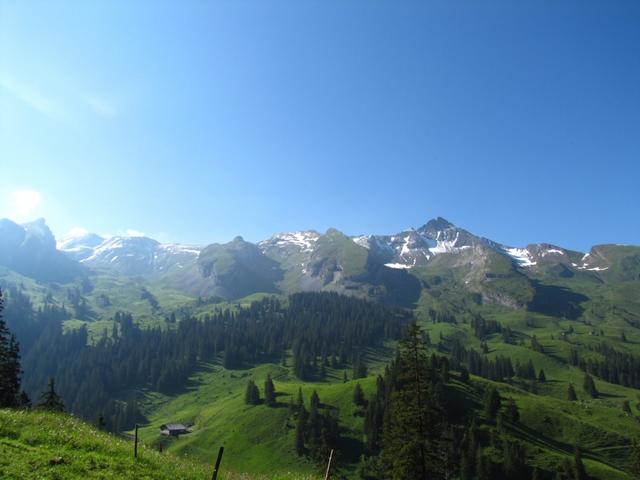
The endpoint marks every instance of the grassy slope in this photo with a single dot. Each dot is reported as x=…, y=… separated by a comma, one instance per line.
x=29, y=442
x=257, y=439
x=55, y=446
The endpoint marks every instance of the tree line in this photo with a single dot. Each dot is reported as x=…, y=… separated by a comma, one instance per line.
x=319, y=328
x=617, y=367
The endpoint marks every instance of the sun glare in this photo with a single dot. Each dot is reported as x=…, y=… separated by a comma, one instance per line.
x=25, y=204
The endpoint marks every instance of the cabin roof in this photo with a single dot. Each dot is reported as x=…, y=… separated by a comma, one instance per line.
x=172, y=426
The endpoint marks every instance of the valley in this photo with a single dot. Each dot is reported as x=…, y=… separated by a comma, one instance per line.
x=142, y=332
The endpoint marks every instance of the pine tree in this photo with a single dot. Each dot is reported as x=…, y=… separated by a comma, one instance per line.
x=25, y=400
x=101, y=422
x=269, y=392
x=300, y=400
x=483, y=467
x=315, y=400
x=359, y=368
x=571, y=393
x=589, y=386
x=412, y=444
x=580, y=473
x=514, y=464
x=10, y=370
x=252, y=393
x=358, y=395
x=511, y=411
x=634, y=458
x=314, y=422
x=492, y=403
x=50, y=400
x=542, y=377
x=301, y=428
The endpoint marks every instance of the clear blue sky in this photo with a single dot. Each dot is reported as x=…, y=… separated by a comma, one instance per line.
x=198, y=121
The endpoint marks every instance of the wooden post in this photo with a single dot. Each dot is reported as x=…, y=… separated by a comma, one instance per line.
x=135, y=444
x=217, y=467
x=326, y=475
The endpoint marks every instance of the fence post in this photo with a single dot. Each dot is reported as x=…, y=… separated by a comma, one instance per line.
x=326, y=475
x=135, y=444
x=217, y=467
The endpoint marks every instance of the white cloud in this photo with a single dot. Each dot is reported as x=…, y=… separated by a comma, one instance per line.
x=135, y=233
x=100, y=106
x=29, y=96
x=59, y=103
x=24, y=204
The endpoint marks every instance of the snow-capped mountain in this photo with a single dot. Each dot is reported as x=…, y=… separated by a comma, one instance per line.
x=390, y=267
x=413, y=248
x=79, y=243
x=290, y=243
x=129, y=255
x=405, y=250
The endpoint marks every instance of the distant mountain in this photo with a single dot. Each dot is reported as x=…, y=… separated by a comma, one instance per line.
x=30, y=249
x=128, y=255
x=392, y=268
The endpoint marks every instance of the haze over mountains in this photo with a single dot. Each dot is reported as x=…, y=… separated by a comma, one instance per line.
x=392, y=268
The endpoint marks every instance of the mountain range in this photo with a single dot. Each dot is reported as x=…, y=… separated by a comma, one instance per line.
x=97, y=311
x=393, y=268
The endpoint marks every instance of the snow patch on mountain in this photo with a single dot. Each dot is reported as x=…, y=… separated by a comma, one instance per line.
x=303, y=241
x=444, y=245
x=362, y=240
x=397, y=265
x=522, y=256
x=176, y=248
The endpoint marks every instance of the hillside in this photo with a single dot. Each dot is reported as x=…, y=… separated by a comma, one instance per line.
x=155, y=333
x=260, y=439
x=57, y=446
x=48, y=446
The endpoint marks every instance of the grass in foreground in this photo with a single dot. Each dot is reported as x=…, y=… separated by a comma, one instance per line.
x=39, y=445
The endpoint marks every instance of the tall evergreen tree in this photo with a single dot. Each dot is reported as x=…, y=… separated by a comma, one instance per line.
x=589, y=386
x=580, y=473
x=252, y=393
x=514, y=464
x=511, y=411
x=301, y=428
x=358, y=395
x=269, y=392
x=314, y=422
x=9, y=364
x=412, y=444
x=49, y=400
x=571, y=393
x=492, y=403
x=634, y=458
x=300, y=400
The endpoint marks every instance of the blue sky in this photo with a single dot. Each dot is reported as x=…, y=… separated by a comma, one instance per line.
x=198, y=121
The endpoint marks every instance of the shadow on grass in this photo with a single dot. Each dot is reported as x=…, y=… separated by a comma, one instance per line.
x=534, y=437
x=557, y=301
